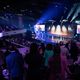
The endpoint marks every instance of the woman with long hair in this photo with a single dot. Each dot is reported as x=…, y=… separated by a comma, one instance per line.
x=34, y=61
x=54, y=64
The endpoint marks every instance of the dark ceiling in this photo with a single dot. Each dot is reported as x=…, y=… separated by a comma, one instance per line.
x=32, y=8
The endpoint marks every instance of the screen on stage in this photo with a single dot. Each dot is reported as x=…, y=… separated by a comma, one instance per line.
x=1, y=35
x=39, y=31
x=39, y=27
x=78, y=29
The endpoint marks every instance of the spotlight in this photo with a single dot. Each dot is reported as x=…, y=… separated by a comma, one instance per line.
x=64, y=20
x=64, y=29
x=53, y=29
x=72, y=10
x=49, y=28
x=58, y=30
x=4, y=7
x=8, y=6
x=69, y=28
x=1, y=35
x=76, y=14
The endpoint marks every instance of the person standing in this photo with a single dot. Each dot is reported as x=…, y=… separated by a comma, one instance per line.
x=14, y=64
x=34, y=61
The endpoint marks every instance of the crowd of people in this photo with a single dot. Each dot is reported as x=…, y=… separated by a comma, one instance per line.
x=5, y=28
x=21, y=39
x=43, y=62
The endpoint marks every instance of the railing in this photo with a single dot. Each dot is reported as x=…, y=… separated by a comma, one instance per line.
x=14, y=32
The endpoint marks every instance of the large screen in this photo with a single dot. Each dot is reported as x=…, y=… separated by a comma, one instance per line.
x=39, y=27
x=78, y=29
x=1, y=35
x=39, y=31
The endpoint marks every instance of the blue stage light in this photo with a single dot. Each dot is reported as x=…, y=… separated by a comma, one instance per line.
x=51, y=12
